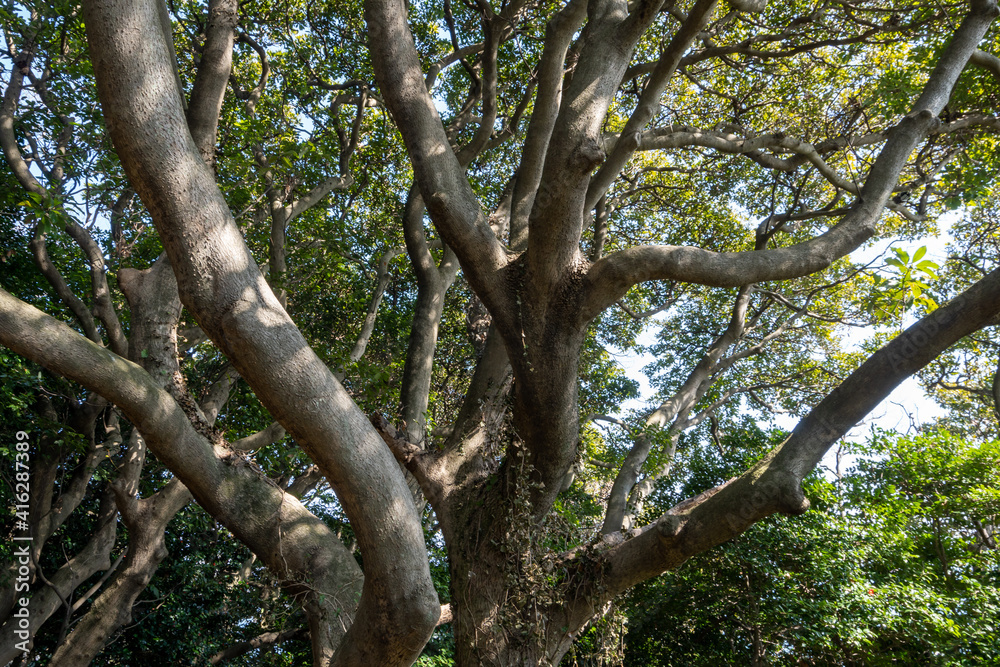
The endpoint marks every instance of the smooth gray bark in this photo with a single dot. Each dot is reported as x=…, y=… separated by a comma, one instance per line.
x=290, y=540
x=542, y=299
x=220, y=284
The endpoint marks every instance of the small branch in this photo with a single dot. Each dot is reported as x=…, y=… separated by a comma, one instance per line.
x=263, y=438
x=381, y=282
x=65, y=294
x=987, y=61
x=252, y=96
x=260, y=641
x=8, y=140
x=103, y=306
x=82, y=600
x=303, y=204
x=455, y=56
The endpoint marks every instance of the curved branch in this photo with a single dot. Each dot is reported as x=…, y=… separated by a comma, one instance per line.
x=65, y=294
x=146, y=519
x=446, y=191
x=8, y=141
x=12, y=155
x=681, y=136
x=103, y=306
x=774, y=484
x=446, y=61
x=252, y=96
x=609, y=278
x=267, y=436
x=495, y=31
x=58, y=589
x=293, y=542
x=210, y=82
x=987, y=61
x=221, y=285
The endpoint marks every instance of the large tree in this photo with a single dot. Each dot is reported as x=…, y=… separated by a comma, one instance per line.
x=557, y=172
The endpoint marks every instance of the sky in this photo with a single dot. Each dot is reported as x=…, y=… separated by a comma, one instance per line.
x=903, y=410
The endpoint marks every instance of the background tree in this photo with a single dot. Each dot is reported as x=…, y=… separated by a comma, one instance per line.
x=555, y=175
x=889, y=567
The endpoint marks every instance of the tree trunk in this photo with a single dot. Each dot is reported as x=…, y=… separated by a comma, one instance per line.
x=508, y=600
x=221, y=285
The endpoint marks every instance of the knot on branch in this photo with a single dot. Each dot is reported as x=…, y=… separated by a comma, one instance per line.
x=588, y=155
x=401, y=448
x=793, y=501
x=923, y=121
x=788, y=495
x=224, y=15
x=670, y=525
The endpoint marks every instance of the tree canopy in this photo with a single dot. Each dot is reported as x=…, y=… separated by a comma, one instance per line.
x=326, y=300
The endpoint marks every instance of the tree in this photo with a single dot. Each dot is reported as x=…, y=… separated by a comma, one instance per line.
x=590, y=154
x=889, y=567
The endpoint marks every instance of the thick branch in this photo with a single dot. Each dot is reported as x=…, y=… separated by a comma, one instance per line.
x=649, y=101
x=557, y=216
x=293, y=542
x=433, y=282
x=213, y=75
x=446, y=191
x=221, y=285
x=774, y=484
x=558, y=36
x=489, y=381
x=612, y=276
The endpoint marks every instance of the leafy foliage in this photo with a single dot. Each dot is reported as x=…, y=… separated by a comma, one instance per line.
x=895, y=564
